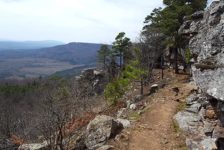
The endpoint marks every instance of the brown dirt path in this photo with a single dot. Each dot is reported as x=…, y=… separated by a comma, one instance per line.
x=155, y=129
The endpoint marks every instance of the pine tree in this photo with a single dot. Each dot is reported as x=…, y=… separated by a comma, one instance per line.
x=103, y=55
x=120, y=48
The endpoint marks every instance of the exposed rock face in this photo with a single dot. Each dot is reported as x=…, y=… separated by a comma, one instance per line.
x=206, y=33
x=101, y=129
x=93, y=80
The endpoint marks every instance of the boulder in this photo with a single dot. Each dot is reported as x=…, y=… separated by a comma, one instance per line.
x=188, y=122
x=100, y=130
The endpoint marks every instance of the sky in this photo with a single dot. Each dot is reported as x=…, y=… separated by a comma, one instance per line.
x=95, y=21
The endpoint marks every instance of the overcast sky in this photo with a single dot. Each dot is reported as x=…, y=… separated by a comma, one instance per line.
x=96, y=21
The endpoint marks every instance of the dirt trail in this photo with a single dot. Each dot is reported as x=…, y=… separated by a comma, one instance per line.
x=155, y=129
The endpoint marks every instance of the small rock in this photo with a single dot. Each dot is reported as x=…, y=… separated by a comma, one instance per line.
x=122, y=113
x=126, y=123
x=210, y=113
x=194, y=108
x=208, y=128
x=191, y=99
x=133, y=106
x=154, y=88
x=128, y=104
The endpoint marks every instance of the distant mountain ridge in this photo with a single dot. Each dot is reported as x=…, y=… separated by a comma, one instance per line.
x=75, y=52
x=26, y=45
x=61, y=59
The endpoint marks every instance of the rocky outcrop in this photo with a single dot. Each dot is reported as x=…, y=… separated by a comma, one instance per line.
x=205, y=32
x=100, y=130
x=92, y=80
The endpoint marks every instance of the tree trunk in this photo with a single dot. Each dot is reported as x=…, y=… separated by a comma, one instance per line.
x=120, y=59
x=142, y=87
x=176, y=60
x=162, y=63
x=104, y=62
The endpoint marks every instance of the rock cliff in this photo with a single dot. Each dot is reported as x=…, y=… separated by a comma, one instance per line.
x=206, y=33
x=203, y=119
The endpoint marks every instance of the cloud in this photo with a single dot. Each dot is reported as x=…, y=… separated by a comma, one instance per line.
x=7, y=1
x=73, y=20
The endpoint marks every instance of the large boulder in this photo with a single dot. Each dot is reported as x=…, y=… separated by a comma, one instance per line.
x=205, y=144
x=100, y=130
x=188, y=122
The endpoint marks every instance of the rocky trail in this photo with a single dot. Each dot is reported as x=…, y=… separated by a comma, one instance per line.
x=155, y=128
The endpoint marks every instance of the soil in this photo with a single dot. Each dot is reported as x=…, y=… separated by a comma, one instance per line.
x=155, y=129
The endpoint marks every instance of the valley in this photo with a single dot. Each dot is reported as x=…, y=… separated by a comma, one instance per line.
x=23, y=64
